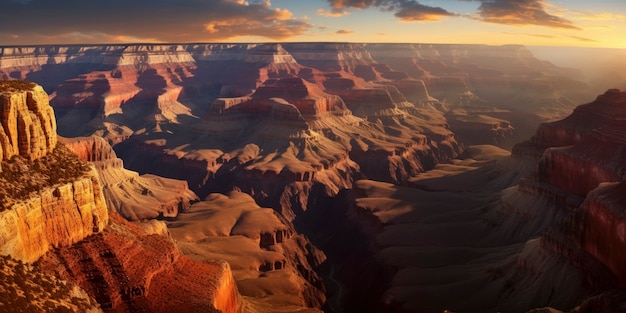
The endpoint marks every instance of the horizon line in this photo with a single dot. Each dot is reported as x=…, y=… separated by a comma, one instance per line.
x=294, y=42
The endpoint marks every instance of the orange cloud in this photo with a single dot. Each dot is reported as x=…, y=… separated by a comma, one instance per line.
x=332, y=13
x=69, y=21
x=344, y=32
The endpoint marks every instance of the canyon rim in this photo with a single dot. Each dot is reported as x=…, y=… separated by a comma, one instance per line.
x=308, y=177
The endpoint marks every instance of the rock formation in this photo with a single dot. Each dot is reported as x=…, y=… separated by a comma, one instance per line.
x=135, y=197
x=114, y=90
x=584, y=171
x=126, y=270
x=53, y=213
x=48, y=199
x=272, y=264
x=540, y=228
x=296, y=125
x=27, y=120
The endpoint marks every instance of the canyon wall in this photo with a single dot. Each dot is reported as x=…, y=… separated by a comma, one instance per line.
x=42, y=207
x=54, y=215
x=585, y=171
x=57, y=216
x=543, y=227
x=115, y=90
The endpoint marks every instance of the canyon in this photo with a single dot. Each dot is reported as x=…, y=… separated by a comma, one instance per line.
x=308, y=177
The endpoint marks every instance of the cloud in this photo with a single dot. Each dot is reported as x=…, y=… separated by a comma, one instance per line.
x=332, y=13
x=70, y=21
x=583, y=39
x=509, y=12
x=344, y=32
x=405, y=10
x=413, y=11
x=541, y=35
x=529, y=34
x=521, y=12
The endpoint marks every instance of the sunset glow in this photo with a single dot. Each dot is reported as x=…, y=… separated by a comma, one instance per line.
x=527, y=22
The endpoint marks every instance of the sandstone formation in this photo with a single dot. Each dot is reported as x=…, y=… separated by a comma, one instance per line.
x=53, y=213
x=49, y=198
x=28, y=124
x=126, y=270
x=58, y=216
x=134, y=196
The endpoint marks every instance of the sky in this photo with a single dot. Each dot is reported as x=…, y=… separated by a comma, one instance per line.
x=577, y=23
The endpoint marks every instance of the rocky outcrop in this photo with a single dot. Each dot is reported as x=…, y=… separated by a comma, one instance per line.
x=57, y=216
x=53, y=213
x=134, y=196
x=28, y=123
x=126, y=270
x=309, y=100
x=49, y=198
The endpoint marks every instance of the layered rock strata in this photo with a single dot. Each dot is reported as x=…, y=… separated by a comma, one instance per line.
x=126, y=270
x=134, y=196
x=57, y=216
x=584, y=169
x=105, y=89
x=550, y=235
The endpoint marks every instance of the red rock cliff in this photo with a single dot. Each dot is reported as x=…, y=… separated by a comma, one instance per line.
x=581, y=175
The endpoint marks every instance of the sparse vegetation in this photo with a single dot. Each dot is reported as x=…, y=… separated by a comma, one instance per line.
x=16, y=85
x=24, y=289
x=21, y=177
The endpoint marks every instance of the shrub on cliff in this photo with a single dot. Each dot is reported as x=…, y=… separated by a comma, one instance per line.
x=24, y=289
x=15, y=85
